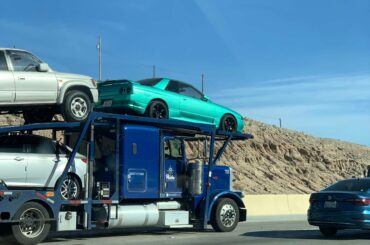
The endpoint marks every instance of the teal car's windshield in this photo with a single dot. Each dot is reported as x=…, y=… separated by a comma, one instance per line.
x=149, y=82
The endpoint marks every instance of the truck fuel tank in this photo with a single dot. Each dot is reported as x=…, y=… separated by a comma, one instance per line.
x=134, y=216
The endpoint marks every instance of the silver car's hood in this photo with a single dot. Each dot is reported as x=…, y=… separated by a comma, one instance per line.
x=70, y=76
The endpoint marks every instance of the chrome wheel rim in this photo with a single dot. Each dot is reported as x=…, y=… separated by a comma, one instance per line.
x=228, y=215
x=69, y=189
x=31, y=223
x=79, y=107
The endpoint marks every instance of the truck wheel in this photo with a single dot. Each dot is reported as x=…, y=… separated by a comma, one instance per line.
x=328, y=231
x=225, y=216
x=38, y=115
x=158, y=109
x=76, y=106
x=32, y=227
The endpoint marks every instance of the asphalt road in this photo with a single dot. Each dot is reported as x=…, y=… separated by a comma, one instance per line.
x=262, y=232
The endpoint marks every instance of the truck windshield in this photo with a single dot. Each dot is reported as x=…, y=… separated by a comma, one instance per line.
x=362, y=185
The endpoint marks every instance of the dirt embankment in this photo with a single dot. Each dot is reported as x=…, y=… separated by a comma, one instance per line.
x=283, y=161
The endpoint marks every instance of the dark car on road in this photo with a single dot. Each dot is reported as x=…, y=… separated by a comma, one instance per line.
x=343, y=205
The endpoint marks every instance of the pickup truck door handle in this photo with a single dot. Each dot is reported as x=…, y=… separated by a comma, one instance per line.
x=21, y=78
x=19, y=158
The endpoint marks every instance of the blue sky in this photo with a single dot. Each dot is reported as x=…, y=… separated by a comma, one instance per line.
x=306, y=61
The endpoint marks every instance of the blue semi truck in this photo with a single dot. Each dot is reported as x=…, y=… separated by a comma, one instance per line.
x=139, y=174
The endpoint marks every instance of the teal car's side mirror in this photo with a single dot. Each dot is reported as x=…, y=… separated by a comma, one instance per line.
x=205, y=98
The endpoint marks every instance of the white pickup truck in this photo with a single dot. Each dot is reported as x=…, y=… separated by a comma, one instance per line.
x=30, y=86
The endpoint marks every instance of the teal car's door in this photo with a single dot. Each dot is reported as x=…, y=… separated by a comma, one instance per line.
x=191, y=104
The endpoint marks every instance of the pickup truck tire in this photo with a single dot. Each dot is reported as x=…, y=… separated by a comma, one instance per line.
x=225, y=215
x=76, y=106
x=38, y=115
x=32, y=227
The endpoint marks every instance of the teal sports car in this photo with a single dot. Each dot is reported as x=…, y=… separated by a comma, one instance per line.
x=165, y=98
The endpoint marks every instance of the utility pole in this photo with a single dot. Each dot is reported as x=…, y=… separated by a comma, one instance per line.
x=202, y=83
x=153, y=71
x=280, y=122
x=98, y=46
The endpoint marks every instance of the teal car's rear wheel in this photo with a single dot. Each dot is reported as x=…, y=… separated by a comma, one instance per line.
x=228, y=123
x=157, y=109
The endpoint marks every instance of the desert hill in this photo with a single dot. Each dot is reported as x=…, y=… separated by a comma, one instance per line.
x=283, y=161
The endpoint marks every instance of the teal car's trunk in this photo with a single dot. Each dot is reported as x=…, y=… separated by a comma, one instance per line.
x=108, y=90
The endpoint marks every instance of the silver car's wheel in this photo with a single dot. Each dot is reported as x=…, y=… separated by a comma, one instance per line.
x=79, y=107
x=70, y=188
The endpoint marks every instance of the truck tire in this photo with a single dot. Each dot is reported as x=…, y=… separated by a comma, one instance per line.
x=76, y=106
x=225, y=215
x=29, y=230
x=38, y=115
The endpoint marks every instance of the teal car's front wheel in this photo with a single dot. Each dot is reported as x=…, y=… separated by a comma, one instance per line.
x=157, y=109
x=228, y=123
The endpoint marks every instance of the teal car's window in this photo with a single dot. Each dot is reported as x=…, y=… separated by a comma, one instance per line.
x=3, y=65
x=149, y=82
x=173, y=86
x=188, y=90
x=184, y=89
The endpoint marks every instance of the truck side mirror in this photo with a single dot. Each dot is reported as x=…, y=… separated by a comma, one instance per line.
x=43, y=67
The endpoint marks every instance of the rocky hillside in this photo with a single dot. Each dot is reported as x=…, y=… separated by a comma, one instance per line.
x=283, y=161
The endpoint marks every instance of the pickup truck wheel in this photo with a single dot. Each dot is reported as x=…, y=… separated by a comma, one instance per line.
x=225, y=216
x=77, y=106
x=38, y=115
x=32, y=227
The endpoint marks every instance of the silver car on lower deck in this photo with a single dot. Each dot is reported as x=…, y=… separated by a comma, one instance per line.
x=34, y=161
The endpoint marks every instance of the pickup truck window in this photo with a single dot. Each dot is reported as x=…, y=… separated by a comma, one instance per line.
x=23, y=61
x=3, y=65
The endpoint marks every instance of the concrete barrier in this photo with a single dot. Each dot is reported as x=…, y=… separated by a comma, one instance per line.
x=279, y=204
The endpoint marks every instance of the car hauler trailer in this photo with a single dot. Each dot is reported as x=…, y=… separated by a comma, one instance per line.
x=138, y=175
